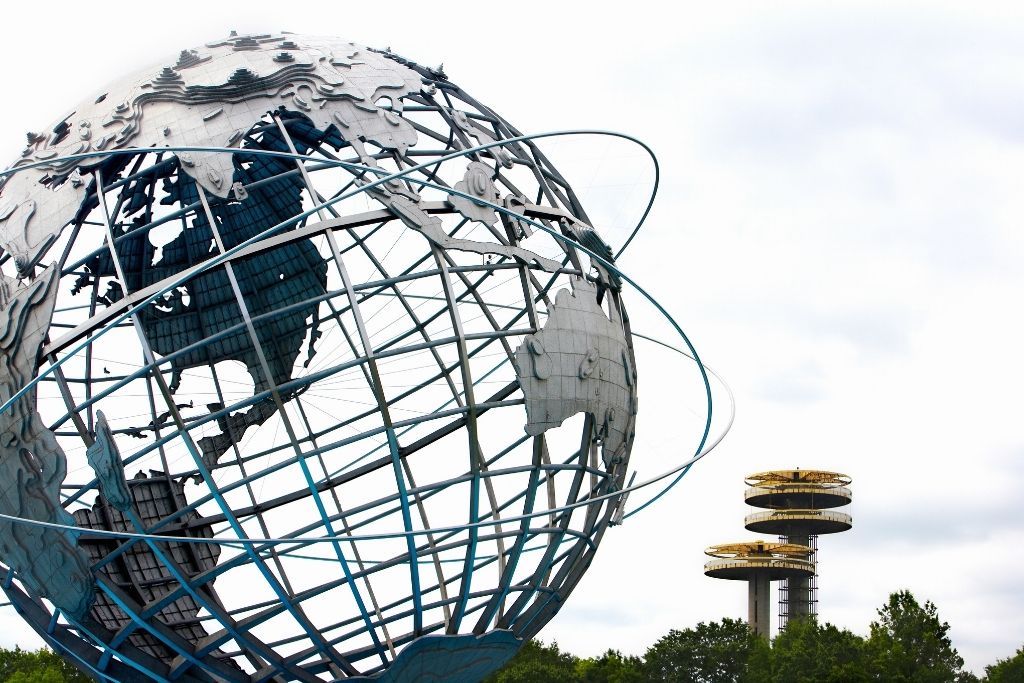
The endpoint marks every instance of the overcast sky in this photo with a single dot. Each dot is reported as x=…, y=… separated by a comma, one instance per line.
x=838, y=230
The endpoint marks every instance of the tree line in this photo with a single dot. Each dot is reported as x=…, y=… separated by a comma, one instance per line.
x=40, y=666
x=908, y=643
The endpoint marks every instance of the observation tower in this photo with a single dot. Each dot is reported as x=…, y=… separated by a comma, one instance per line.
x=759, y=563
x=797, y=507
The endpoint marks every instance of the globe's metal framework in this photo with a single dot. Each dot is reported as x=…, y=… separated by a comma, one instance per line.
x=314, y=351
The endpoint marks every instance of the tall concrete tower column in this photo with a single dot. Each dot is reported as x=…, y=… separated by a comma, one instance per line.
x=759, y=604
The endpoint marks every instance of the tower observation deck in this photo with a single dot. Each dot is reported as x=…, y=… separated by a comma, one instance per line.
x=797, y=507
x=759, y=563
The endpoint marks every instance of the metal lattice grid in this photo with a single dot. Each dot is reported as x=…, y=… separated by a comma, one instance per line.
x=800, y=590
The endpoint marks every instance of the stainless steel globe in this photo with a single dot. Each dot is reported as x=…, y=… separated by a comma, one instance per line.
x=304, y=375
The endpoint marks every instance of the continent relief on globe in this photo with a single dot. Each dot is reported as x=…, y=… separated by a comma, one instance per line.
x=32, y=464
x=579, y=362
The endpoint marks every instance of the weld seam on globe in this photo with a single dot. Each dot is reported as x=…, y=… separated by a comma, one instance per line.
x=207, y=265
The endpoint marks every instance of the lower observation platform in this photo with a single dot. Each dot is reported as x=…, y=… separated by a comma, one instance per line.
x=745, y=561
x=759, y=563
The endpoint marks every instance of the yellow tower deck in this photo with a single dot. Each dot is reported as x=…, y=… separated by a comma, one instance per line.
x=759, y=563
x=798, y=489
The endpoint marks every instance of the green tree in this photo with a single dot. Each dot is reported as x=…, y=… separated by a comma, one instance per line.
x=759, y=663
x=40, y=666
x=807, y=652
x=910, y=644
x=1009, y=670
x=611, y=667
x=538, y=663
x=716, y=652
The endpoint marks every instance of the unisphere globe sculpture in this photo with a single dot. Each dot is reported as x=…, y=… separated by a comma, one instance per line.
x=304, y=374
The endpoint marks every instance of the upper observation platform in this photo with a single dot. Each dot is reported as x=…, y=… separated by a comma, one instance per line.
x=798, y=489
